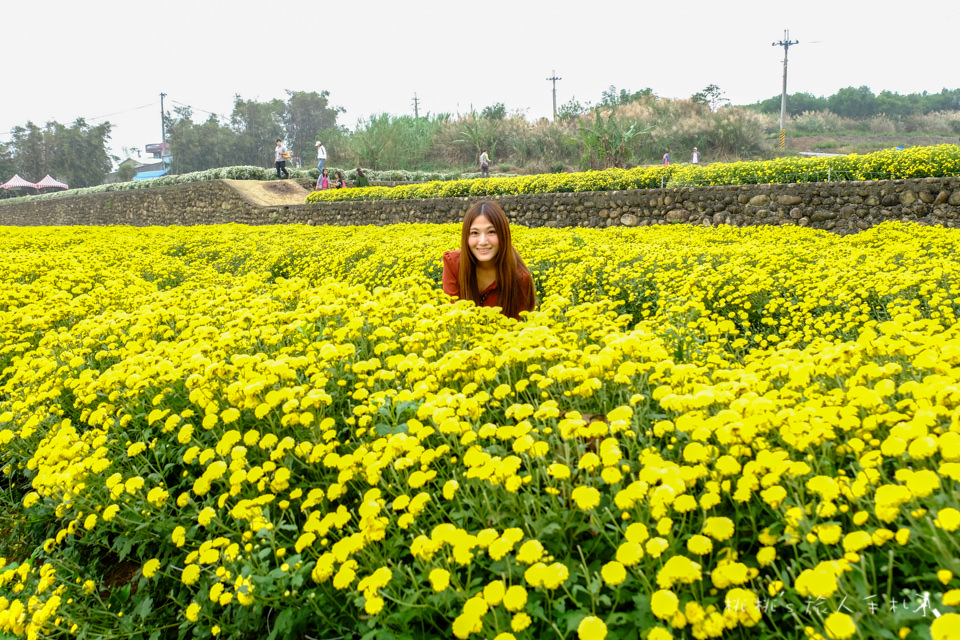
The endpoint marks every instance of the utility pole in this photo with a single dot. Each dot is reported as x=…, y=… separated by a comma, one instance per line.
x=416, y=104
x=554, y=79
x=163, y=129
x=785, y=43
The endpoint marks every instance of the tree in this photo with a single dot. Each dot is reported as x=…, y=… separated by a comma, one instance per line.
x=197, y=147
x=126, y=172
x=76, y=154
x=853, y=102
x=494, y=112
x=82, y=159
x=257, y=125
x=29, y=151
x=612, y=98
x=305, y=115
x=572, y=109
x=7, y=165
x=797, y=103
x=712, y=97
x=946, y=100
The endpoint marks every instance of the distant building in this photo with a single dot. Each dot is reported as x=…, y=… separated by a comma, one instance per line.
x=155, y=169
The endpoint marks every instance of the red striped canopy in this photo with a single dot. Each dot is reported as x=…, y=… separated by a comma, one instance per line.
x=49, y=182
x=17, y=181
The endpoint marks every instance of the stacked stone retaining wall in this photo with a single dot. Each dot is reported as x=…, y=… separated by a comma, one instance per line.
x=841, y=207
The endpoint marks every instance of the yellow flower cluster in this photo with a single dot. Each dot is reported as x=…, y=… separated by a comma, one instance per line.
x=916, y=162
x=696, y=429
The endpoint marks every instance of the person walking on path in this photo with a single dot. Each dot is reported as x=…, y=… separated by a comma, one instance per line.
x=666, y=157
x=484, y=164
x=695, y=156
x=281, y=158
x=321, y=155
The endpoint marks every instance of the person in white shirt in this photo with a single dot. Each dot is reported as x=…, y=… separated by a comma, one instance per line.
x=695, y=156
x=321, y=155
x=281, y=158
x=484, y=165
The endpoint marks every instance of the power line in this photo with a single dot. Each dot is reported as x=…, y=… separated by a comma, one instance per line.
x=116, y=113
x=152, y=104
x=213, y=113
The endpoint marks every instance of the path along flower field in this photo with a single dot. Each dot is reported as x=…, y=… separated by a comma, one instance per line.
x=290, y=432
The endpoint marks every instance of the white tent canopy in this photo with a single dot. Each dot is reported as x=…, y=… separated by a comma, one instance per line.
x=16, y=182
x=50, y=183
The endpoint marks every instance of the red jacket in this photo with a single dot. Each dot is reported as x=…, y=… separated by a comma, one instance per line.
x=451, y=285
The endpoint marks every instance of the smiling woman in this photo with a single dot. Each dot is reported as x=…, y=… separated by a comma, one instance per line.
x=487, y=269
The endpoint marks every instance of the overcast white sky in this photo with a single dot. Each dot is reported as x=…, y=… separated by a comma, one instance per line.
x=96, y=58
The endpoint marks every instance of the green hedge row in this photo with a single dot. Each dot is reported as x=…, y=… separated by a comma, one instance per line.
x=917, y=162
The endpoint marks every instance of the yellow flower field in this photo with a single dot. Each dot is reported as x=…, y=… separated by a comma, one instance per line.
x=289, y=432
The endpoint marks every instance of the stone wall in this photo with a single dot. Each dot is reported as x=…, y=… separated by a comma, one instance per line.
x=841, y=207
x=208, y=202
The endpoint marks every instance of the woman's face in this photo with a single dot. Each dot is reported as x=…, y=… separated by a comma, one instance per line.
x=483, y=240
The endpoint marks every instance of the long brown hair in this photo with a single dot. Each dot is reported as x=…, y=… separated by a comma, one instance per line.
x=509, y=264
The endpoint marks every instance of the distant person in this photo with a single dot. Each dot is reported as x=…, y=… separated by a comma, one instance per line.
x=321, y=155
x=362, y=178
x=695, y=156
x=338, y=182
x=666, y=157
x=484, y=164
x=323, y=182
x=281, y=158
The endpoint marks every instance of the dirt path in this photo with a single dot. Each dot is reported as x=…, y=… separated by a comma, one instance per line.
x=270, y=193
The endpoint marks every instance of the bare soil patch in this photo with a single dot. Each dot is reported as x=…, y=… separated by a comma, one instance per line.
x=270, y=193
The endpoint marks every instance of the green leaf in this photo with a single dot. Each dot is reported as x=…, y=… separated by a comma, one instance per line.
x=144, y=608
x=123, y=546
x=281, y=625
x=574, y=618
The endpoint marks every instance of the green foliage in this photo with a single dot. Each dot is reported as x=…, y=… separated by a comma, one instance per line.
x=480, y=132
x=304, y=116
x=76, y=154
x=251, y=135
x=604, y=143
x=712, y=97
x=198, y=147
x=258, y=125
x=853, y=102
x=919, y=162
x=389, y=141
x=860, y=102
x=612, y=98
x=126, y=172
x=257, y=173
x=7, y=164
x=572, y=109
x=494, y=112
